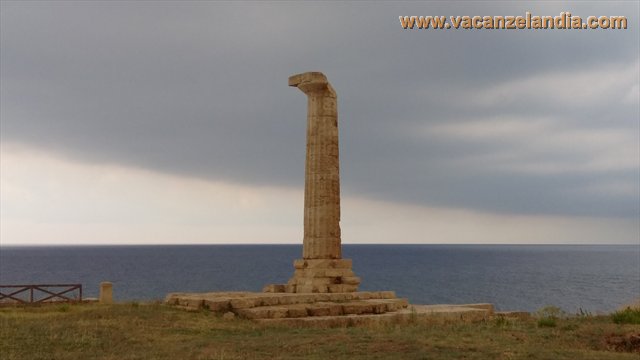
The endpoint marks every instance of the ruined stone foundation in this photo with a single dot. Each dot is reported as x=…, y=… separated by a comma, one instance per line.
x=319, y=276
x=323, y=290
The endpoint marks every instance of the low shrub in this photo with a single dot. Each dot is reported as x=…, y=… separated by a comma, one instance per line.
x=626, y=316
x=548, y=316
x=547, y=322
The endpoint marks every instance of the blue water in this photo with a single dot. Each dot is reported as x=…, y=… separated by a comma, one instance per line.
x=513, y=277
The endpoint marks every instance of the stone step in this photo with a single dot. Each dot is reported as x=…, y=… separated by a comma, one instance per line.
x=223, y=302
x=358, y=307
x=411, y=314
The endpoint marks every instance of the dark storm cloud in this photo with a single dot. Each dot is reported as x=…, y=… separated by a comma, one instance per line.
x=199, y=89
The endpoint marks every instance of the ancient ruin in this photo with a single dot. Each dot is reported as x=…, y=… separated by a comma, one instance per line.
x=321, y=268
x=323, y=289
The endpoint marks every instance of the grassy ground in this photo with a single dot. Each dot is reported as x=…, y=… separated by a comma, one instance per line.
x=132, y=331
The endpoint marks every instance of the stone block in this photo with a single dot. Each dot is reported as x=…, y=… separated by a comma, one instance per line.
x=379, y=308
x=395, y=305
x=263, y=312
x=338, y=272
x=287, y=300
x=335, y=309
x=392, y=307
x=350, y=280
x=217, y=305
x=297, y=311
x=274, y=288
x=322, y=264
x=342, y=288
x=315, y=281
x=308, y=273
x=193, y=303
x=253, y=313
x=170, y=299
x=304, y=288
x=244, y=303
x=357, y=308
x=276, y=312
x=387, y=294
x=316, y=310
x=324, y=309
x=362, y=295
x=269, y=301
x=304, y=298
x=324, y=297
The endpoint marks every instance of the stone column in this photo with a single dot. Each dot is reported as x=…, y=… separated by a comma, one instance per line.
x=321, y=268
x=322, y=178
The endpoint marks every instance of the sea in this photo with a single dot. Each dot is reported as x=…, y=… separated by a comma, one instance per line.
x=588, y=278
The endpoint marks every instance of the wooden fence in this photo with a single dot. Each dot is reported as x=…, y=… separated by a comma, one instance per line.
x=39, y=294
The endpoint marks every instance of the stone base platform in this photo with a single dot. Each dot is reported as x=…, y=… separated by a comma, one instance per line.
x=413, y=313
x=257, y=306
x=324, y=309
x=319, y=276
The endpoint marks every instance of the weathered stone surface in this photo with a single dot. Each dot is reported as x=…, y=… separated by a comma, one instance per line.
x=217, y=305
x=322, y=181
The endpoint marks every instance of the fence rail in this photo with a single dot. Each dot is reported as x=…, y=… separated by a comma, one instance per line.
x=39, y=294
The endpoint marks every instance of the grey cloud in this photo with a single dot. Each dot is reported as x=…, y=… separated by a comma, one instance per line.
x=199, y=89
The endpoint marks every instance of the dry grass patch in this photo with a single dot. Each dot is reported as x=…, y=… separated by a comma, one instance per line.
x=154, y=331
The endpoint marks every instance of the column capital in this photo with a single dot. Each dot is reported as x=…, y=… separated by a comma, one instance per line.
x=312, y=83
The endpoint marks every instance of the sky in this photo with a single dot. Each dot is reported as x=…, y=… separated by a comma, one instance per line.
x=172, y=123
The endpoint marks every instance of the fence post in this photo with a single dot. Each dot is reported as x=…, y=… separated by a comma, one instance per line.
x=106, y=292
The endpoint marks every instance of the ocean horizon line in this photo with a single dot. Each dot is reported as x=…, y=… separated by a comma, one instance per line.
x=300, y=244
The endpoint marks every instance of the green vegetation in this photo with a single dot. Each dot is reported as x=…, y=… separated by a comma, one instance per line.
x=154, y=331
x=627, y=316
x=548, y=316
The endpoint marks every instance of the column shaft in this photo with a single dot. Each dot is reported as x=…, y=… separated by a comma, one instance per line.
x=322, y=176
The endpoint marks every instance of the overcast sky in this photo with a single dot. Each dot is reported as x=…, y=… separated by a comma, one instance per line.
x=172, y=122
